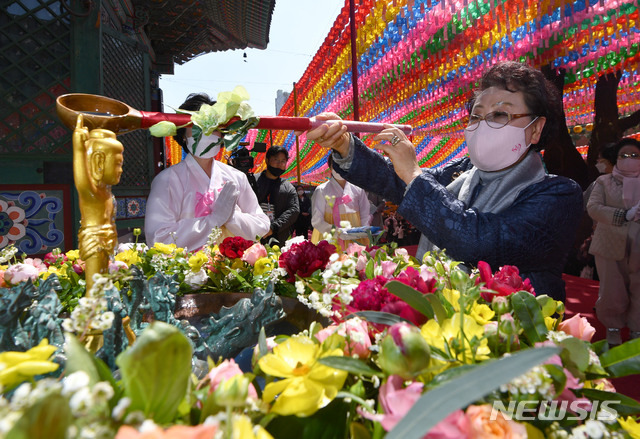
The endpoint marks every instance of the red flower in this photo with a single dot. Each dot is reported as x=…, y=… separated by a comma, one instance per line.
x=234, y=246
x=410, y=276
x=504, y=283
x=304, y=258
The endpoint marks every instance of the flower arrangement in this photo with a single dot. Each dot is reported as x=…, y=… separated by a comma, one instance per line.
x=414, y=350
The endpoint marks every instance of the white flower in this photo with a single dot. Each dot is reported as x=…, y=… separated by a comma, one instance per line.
x=102, y=391
x=289, y=243
x=147, y=426
x=345, y=225
x=195, y=280
x=20, y=397
x=299, y=287
x=121, y=408
x=81, y=401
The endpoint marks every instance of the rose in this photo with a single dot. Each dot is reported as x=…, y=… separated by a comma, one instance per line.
x=253, y=253
x=223, y=372
x=504, y=283
x=454, y=426
x=482, y=426
x=579, y=327
x=234, y=246
x=304, y=258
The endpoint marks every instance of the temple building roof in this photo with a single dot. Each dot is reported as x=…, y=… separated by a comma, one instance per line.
x=181, y=30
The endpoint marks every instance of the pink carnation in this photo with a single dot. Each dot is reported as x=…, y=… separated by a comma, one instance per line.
x=396, y=401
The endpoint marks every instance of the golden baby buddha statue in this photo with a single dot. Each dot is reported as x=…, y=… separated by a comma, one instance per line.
x=97, y=165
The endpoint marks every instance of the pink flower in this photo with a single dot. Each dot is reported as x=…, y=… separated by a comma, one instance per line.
x=224, y=371
x=354, y=248
x=505, y=282
x=578, y=327
x=201, y=431
x=423, y=280
x=355, y=331
x=482, y=427
x=21, y=272
x=454, y=426
x=395, y=400
x=253, y=253
x=388, y=267
x=117, y=266
x=78, y=267
x=52, y=259
x=571, y=383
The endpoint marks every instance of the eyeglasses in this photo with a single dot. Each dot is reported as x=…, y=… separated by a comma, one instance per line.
x=495, y=119
x=633, y=155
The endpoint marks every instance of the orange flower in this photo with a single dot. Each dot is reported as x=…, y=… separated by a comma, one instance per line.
x=482, y=427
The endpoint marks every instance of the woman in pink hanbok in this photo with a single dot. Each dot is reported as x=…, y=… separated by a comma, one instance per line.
x=193, y=197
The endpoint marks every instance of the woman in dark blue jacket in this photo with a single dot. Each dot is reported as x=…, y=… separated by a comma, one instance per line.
x=502, y=208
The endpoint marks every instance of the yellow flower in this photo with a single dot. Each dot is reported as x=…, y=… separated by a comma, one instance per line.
x=244, y=429
x=237, y=264
x=631, y=426
x=16, y=367
x=452, y=296
x=167, y=249
x=550, y=323
x=197, y=260
x=449, y=333
x=482, y=313
x=306, y=385
x=53, y=270
x=73, y=255
x=129, y=257
x=262, y=265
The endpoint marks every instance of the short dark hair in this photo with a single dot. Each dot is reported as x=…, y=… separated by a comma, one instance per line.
x=330, y=161
x=193, y=103
x=275, y=150
x=609, y=153
x=540, y=96
x=624, y=142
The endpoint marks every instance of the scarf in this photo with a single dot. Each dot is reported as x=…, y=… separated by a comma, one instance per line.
x=492, y=192
x=630, y=186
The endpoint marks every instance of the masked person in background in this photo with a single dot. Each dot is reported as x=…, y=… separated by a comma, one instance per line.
x=277, y=196
x=615, y=206
x=350, y=203
x=192, y=197
x=503, y=209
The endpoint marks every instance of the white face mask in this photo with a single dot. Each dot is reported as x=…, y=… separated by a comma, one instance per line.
x=336, y=175
x=202, y=145
x=601, y=167
x=493, y=149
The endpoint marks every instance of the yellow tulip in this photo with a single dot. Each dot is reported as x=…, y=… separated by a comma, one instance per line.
x=440, y=334
x=631, y=426
x=16, y=367
x=307, y=385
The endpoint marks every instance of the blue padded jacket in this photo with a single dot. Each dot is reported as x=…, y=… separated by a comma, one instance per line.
x=535, y=233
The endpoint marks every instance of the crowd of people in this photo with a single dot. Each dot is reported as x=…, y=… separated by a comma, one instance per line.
x=497, y=205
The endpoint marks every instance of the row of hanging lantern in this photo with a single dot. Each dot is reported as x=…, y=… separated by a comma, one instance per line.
x=419, y=61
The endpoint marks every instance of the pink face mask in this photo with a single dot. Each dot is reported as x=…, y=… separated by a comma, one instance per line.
x=493, y=149
x=629, y=166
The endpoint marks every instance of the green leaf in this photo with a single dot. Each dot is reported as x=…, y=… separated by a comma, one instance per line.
x=436, y=404
x=351, y=365
x=527, y=310
x=622, y=360
x=330, y=422
x=439, y=311
x=575, y=355
x=79, y=358
x=384, y=318
x=624, y=405
x=414, y=298
x=48, y=418
x=155, y=371
x=369, y=269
